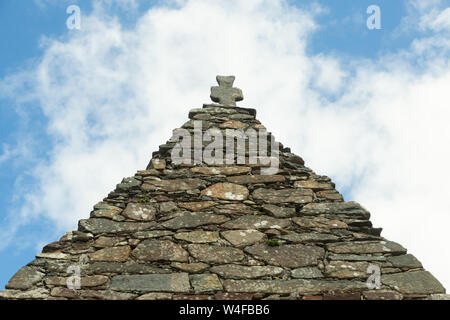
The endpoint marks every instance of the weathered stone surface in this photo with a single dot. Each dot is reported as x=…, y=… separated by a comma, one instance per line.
x=405, y=261
x=279, y=212
x=247, y=179
x=129, y=183
x=215, y=254
x=332, y=295
x=177, y=230
x=156, y=296
x=242, y=238
x=102, y=242
x=167, y=206
x=106, y=295
x=194, y=219
x=230, y=170
x=308, y=237
x=232, y=124
x=225, y=94
x=233, y=208
x=190, y=267
x=351, y=209
x=198, y=236
x=306, y=273
x=152, y=234
x=439, y=296
x=139, y=211
x=243, y=272
x=346, y=269
x=366, y=247
x=415, y=282
x=313, y=184
x=291, y=256
x=226, y=191
x=257, y=222
x=205, y=283
x=283, y=195
x=382, y=295
x=122, y=268
x=38, y=293
x=175, y=282
x=319, y=222
x=233, y=296
x=156, y=250
x=197, y=206
x=300, y=286
x=104, y=210
x=118, y=254
x=54, y=255
x=355, y=257
x=330, y=195
x=173, y=185
x=159, y=164
x=25, y=278
x=85, y=281
x=98, y=226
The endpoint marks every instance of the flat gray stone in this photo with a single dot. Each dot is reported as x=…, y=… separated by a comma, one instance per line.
x=247, y=179
x=308, y=237
x=291, y=256
x=104, y=210
x=205, y=283
x=38, y=294
x=198, y=236
x=279, y=212
x=351, y=208
x=257, y=222
x=233, y=208
x=319, y=223
x=25, y=278
x=415, y=282
x=355, y=257
x=160, y=250
x=226, y=191
x=215, y=254
x=194, y=219
x=235, y=271
x=173, y=185
x=362, y=247
x=347, y=269
x=230, y=170
x=405, y=261
x=175, y=282
x=129, y=183
x=152, y=234
x=98, y=226
x=242, y=238
x=140, y=211
x=299, y=196
x=307, y=273
x=122, y=268
x=300, y=286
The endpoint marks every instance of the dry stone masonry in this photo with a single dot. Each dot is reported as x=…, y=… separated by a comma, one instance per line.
x=199, y=231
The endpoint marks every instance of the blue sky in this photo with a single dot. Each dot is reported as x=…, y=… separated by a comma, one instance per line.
x=341, y=53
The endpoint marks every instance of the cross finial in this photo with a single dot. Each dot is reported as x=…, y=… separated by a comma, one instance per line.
x=225, y=94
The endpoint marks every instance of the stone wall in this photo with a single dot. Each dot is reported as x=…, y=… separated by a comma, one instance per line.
x=224, y=232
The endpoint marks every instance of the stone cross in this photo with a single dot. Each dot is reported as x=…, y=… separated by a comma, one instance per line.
x=225, y=94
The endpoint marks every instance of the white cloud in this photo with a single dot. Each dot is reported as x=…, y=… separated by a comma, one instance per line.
x=113, y=95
